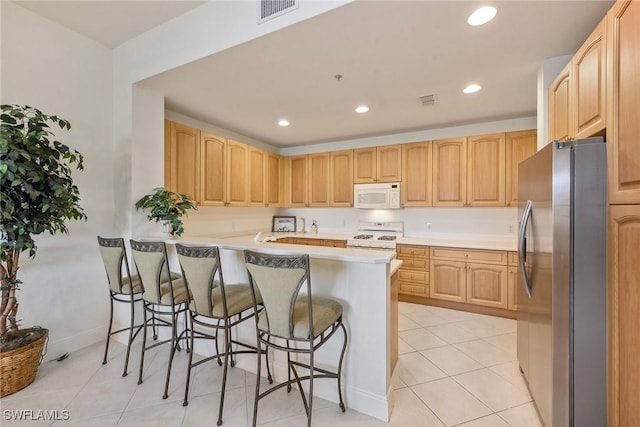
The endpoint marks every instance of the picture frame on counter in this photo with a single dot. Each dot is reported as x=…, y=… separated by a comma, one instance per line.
x=284, y=224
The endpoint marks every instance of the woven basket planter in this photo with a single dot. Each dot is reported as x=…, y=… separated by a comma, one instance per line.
x=18, y=367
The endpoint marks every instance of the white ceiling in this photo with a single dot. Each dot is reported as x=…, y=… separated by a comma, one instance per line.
x=389, y=53
x=110, y=23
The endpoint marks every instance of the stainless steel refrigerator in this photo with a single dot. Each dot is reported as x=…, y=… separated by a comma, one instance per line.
x=562, y=282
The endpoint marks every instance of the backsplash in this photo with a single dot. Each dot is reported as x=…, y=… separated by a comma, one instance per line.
x=469, y=222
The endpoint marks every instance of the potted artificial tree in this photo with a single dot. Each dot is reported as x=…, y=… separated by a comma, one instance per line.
x=166, y=207
x=37, y=195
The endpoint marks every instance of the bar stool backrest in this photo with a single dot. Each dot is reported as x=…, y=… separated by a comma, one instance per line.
x=150, y=259
x=114, y=256
x=279, y=279
x=199, y=267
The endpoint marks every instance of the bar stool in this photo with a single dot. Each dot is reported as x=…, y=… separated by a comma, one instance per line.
x=212, y=299
x=304, y=322
x=123, y=288
x=163, y=294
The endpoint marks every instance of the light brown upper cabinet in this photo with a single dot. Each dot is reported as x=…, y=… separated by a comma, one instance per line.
x=377, y=164
x=416, y=174
x=341, y=178
x=623, y=89
x=213, y=164
x=318, y=179
x=469, y=171
x=486, y=170
x=238, y=171
x=588, y=92
x=296, y=181
x=274, y=180
x=450, y=172
x=257, y=177
x=182, y=159
x=559, y=106
x=577, y=97
x=519, y=146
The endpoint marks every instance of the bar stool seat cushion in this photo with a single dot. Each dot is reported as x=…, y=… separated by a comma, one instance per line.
x=137, y=287
x=126, y=285
x=326, y=311
x=238, y=300
x=180, y=292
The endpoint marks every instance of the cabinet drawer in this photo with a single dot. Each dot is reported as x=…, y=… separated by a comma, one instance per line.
x=412, y=251
x=336, y=243
x=414, y=276
x=411, y=289
x=415, y=264
x=513, y=259
x=493, y=257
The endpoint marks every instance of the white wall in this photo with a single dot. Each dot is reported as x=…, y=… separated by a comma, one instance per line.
x=49, y=67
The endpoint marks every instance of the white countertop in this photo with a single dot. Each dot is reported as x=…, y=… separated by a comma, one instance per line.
x=370, y=256
x=455, y=241
x=452, y=240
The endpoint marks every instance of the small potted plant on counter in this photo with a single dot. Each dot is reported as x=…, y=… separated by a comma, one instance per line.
x=37, y=194
x=166, y=207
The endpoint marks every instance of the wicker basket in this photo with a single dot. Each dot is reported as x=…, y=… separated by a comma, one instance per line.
x=18, y=367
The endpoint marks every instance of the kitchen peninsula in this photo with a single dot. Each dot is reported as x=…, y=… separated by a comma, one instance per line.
x=362, y=280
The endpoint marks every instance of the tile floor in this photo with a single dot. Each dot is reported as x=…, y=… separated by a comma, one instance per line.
x=455, y=369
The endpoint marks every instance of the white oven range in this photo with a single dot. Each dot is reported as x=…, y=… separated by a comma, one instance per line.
x=377, y=235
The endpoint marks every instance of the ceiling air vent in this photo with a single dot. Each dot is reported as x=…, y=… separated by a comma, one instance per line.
x=428, y=99
x=270, y=9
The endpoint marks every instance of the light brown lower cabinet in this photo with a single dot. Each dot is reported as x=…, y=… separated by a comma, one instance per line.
x=469, y=276
x=413, y=275
x=623, y=314
x=512, y=281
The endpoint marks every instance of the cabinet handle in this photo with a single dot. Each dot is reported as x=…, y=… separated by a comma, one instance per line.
x=466, y=255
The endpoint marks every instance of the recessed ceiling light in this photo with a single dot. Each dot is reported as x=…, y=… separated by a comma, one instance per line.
x=482, y=16
x=283, y=123
x=472, y=89
x=362, y=109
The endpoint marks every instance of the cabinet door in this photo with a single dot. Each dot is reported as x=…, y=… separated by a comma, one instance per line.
x=274, y=180
x=318, y=179
x=185, y=160
x=623, y=125
x=622, y=311
x=389, y=163
x=257, y=177
x=450, y=172
x=512, y=288
x=416, y=174
x=237, y=174
x=519, y=146
x=364, y=165
x=213, y=165
x=486, y=170
x=341, y=178
x=448, y=280
x=297, y=181
x=588, y=95
x=559, y=106
x=487, y=285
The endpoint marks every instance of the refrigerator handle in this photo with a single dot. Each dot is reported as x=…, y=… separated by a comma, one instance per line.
x=522, y=246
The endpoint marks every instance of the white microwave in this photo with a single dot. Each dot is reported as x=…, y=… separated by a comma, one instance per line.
x=384, y=195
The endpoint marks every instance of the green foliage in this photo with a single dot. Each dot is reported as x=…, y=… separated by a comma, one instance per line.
x=37, y=193
x=165, y=205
